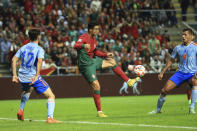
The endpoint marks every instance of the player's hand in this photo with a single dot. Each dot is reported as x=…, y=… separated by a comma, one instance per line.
x=34, y=79
x=110, y=55
x=87, y=47
x=15, y=79
x=160, y=76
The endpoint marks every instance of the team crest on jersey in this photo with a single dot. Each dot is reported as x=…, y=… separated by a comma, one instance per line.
x=93, y=76
x=80, y=40
x=184, y=56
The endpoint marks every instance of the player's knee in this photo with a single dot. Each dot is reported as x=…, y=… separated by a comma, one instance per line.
x=26, y=93
x=51, y=96
x=164, y=92
x=113, y=62
x=95, y=85
x=31, y=90
x=194, y=82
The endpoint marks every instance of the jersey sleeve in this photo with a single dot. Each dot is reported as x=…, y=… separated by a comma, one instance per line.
x=174, y=53
x=99, y=53
x=80, y=43
x=41, y=53
x=18, y=53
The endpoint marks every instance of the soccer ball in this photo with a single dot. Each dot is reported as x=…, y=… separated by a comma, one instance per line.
x=139, y=70
x=130, y=67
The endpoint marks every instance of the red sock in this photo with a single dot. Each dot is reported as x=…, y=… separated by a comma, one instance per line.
x=119, y=72
x=189, y=92
x=97, y=101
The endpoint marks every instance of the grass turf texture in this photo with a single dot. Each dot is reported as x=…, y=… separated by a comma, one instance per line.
x=131, y=110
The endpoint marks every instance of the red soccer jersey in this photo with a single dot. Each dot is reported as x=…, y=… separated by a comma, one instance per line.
x=86, y=39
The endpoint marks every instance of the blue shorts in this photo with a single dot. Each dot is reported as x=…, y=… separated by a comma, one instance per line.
x=179, y=77
x=40, y=86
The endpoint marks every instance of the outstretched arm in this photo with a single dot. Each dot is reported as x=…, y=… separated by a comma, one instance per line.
x=15, y=77
x=100, y=53
x=78, y=45
x=168, y=64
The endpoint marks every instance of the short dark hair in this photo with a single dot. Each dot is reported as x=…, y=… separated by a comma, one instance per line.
x=92, y=24
x=190, y=31
x=33, y=34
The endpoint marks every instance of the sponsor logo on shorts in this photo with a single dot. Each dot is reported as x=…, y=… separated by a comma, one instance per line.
x=93, y=76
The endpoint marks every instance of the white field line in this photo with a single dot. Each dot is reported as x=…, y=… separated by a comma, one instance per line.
x=106, y=123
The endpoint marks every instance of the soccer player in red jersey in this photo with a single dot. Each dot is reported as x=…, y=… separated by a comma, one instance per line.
x=86, y=49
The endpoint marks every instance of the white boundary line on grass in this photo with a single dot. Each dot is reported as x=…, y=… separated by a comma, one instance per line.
x=115, y=124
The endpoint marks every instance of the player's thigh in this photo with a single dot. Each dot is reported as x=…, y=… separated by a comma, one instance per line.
x=95, y=85
x=168, y=86
x=98, y=63
x=89, y=73
x=27, y=88
x=108, y=63
x=179, y=77
x=193, y=81
x=40, y=86
x=49, y=94
x=31, y=89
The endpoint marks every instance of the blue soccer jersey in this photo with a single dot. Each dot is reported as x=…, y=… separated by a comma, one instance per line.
x=29, y=55
x=187, y=57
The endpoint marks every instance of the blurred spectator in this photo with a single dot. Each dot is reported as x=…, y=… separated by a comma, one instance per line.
x=153, y=45
x=95, y=5
x=5, y=46
x=162, y=54
x=117, y=46
x=48, y=64
x=184, y=5
x=73, y=33
x=138, y=60
x=143, y=47
x=124, y=63
x=12, y=50
x=195, y=9
x=155, y=64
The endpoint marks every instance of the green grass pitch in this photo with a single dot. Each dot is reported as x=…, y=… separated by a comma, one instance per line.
x=126, y=113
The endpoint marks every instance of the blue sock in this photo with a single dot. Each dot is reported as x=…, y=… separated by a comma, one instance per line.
x=50, y=107
x=194, y=98
x=24, y=99
x=160, y=102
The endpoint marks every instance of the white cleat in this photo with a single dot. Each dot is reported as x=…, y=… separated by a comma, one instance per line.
x=191, y=111
x=154, y=112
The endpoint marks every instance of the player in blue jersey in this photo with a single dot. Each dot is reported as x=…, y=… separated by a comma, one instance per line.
x=187, y=54
x=31, y=56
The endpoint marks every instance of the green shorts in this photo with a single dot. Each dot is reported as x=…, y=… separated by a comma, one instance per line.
x=89, y=72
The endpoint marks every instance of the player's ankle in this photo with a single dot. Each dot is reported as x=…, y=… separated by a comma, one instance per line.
x=20, y=109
